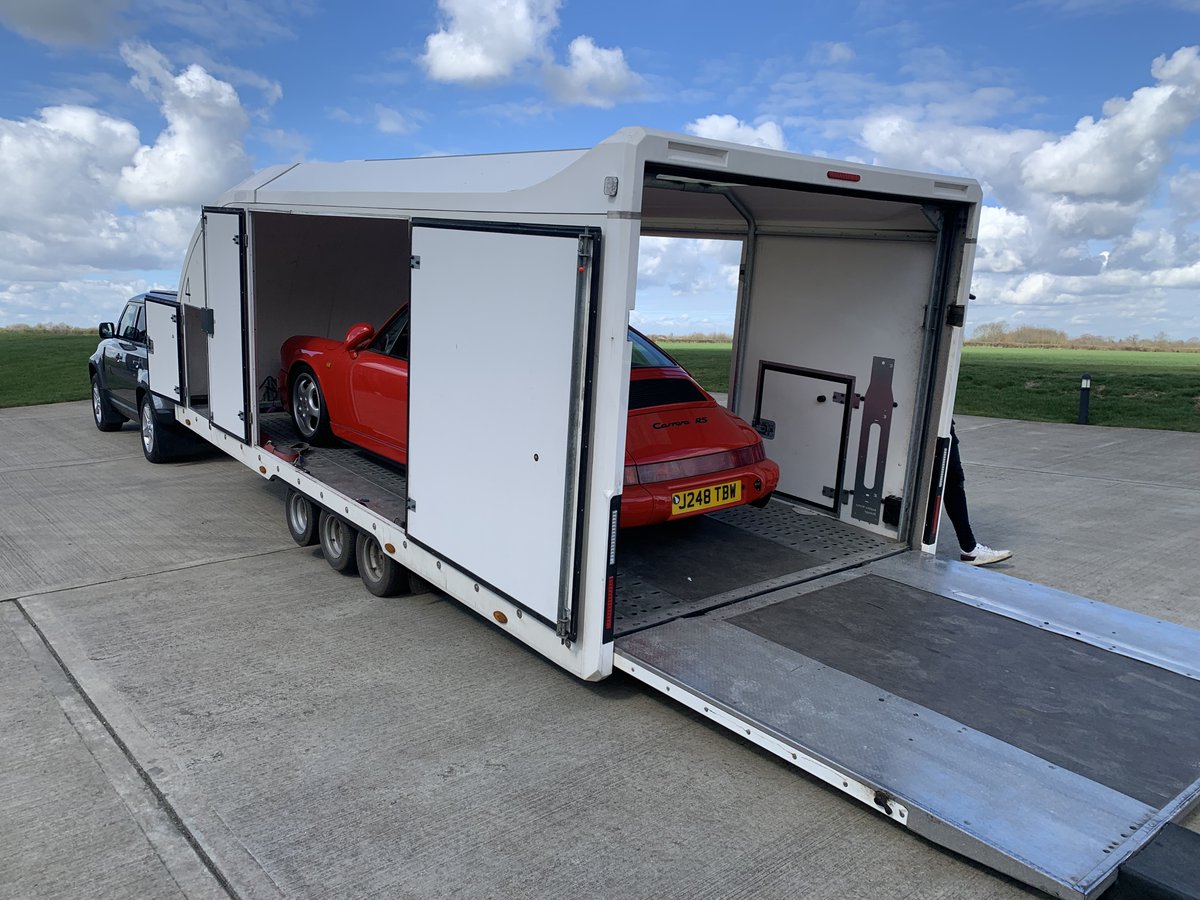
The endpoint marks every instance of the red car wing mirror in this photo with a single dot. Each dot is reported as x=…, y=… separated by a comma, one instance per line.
x=358, y=336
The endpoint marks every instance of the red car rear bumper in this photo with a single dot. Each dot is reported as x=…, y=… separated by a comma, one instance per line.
x=650, y=504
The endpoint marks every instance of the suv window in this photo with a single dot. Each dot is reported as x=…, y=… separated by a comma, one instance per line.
x=129, y=328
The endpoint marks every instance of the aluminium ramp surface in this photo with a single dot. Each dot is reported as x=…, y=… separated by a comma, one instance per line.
x=1044, y=735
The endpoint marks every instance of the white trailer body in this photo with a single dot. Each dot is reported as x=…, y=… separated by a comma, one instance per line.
x=520, y=272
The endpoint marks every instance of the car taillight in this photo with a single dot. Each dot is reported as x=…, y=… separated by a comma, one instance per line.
x=698, y=465
x=631, y=475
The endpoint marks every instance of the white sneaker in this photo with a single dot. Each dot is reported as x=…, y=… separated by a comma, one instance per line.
x=984, y=555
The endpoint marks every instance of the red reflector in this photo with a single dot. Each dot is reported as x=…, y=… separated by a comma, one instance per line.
x=843, y=176
x=608, y=603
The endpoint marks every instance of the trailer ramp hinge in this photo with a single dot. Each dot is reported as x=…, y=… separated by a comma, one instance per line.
x=855, y=399
x=956, y=316
x=410, y=504
x=765, y=427
x=414, y=262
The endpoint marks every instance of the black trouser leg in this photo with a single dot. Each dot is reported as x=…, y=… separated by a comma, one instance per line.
x=954, y=497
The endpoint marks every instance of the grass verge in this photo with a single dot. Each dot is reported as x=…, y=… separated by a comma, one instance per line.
x=44, y=367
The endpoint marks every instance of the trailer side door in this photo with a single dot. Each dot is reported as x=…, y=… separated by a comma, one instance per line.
x=225, y=320
x=497, y=403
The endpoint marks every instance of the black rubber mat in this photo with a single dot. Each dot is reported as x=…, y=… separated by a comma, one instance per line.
x=1122, y=723
x=701, y=557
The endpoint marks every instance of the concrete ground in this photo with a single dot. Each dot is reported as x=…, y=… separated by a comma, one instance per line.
x=193, y=706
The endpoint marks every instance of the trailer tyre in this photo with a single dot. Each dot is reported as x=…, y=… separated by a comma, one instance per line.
x=338, y=542
x=107, y=418
x=383, y=576
x=308, y=407
x=301, y=517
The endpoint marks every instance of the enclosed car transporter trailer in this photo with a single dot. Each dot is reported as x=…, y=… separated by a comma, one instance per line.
x=1045, y=735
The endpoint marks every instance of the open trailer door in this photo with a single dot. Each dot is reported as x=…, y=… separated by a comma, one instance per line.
x=224, y=320
x=164, y=359
x=498, y=404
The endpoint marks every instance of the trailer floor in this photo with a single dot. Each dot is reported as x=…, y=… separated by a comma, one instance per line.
x=684, y=568
x=364, y=477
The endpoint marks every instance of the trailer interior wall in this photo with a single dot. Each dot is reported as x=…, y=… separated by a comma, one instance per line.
x=835, y=294
x=320, y=274
x=835, y=305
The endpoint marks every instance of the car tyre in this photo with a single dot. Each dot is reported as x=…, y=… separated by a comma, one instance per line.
x=309, y=411
x=106, y=418
x=301, y=514
x=339, y=540
x=158, y=444
x=383, y=576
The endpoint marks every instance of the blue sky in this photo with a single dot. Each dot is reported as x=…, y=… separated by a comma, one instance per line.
x=120, y=118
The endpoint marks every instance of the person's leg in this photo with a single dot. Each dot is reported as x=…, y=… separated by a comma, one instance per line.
x=954, y=497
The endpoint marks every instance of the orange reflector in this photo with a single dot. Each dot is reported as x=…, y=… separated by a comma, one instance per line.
x=262, y=469
x=843, y=176
x=500, y=617
x=390, y=548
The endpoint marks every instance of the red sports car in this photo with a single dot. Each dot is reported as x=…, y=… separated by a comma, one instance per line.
x=684, y=454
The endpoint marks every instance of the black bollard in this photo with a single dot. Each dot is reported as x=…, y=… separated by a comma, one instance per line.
x=1085, y=393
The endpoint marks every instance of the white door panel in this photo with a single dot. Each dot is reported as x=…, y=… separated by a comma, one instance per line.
x=163, y=351
x=223, y=281
x=493, y=407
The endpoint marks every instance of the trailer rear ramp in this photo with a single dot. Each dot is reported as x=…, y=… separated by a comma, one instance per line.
x=1047, y=736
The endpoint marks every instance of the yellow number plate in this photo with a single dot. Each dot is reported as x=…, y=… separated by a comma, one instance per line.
x=706, y=497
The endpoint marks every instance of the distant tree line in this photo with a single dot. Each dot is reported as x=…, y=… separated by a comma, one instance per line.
x=695, y=337
x=999, y=334
x=47, y=328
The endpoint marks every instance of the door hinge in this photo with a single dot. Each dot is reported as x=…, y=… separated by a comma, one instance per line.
x=855, y=399
x=585, y=247
x=829, y=492
x=414, y=262
x=174, y=318
x=765, y=427
x=149, y=345
x=176, y=390
x=207, y=323
x=411, y=504
x=956, y=316
x=237, y=239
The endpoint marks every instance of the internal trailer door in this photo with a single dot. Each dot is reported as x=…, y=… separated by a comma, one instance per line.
x=497, y=406
x=163, y=349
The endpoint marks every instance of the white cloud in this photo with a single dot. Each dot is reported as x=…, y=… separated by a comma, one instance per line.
x=485, y=40
x=1005, y=241
x=62, y=22
x=831, y=53
x=1120, y=157
x=392, y=121
x=733, y=130
x=594, y=76
x=200, y=153
x=69, y=173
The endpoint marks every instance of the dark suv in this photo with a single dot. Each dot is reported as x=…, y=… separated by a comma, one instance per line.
x=118, y=371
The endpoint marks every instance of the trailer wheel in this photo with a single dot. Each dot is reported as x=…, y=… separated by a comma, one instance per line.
x=301, y=517
x=383, y=576
x=308, y=407
x=338, y=540
x=107, y=418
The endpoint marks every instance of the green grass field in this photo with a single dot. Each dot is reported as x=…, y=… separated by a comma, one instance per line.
x=44, y=367
x=1129, y=389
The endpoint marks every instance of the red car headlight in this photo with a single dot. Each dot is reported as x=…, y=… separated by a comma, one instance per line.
x=693, y=466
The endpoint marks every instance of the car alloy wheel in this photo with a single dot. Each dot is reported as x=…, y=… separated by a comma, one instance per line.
x=149, y=438
x=307, y=405
x=97, y=409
